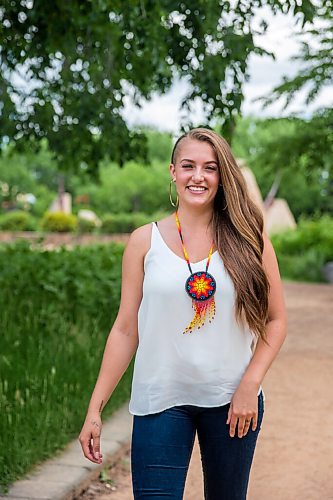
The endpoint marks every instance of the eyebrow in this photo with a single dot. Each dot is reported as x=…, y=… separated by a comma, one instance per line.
x=210, y=161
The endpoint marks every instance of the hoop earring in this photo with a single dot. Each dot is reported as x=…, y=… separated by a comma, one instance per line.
x=170, y=194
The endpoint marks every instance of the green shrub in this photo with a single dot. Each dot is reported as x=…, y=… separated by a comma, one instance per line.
x=57, y=308
x=127, y=222
x=303, y=252
x=59, y=222
x=306, y=267
x=85, y=225
x=109, y=223
x=17, y=221
x=310, y=234
x=140, y=219
x=123, y=223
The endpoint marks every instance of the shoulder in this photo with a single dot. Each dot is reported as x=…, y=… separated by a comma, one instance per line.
x=139, y=240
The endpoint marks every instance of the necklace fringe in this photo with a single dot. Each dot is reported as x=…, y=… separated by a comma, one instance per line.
x=201, y=309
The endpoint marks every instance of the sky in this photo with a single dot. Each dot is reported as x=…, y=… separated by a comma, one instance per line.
x=163, y=112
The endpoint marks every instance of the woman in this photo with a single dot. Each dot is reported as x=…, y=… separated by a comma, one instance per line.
x=202, y=304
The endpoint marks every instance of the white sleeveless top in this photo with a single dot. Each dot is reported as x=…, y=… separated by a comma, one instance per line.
x=201, y=368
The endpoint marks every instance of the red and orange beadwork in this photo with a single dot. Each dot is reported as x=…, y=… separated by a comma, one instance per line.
x=200, y=286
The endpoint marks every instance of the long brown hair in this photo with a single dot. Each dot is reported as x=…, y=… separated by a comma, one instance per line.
x=237, y=227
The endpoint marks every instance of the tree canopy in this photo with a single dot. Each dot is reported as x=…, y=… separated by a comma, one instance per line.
x=316, y=58
x=298, y=151
x=67, y=67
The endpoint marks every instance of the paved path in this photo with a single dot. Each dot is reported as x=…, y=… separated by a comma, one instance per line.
x=294, y=455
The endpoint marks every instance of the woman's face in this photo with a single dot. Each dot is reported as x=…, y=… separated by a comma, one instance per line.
x=196, y=172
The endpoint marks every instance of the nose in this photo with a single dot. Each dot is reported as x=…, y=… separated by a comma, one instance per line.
x=197, y=175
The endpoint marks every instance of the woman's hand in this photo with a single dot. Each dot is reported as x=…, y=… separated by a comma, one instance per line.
x=243, y=409
x=90, y=437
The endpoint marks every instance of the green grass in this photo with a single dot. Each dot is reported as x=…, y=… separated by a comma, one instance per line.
x=57, y=310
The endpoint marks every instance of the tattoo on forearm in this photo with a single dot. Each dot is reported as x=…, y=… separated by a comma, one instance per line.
x=96, y=423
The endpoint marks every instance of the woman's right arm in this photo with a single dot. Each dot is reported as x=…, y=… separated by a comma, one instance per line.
x=122, y=340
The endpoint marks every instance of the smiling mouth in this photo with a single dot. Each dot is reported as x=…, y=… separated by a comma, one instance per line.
x=197, y=189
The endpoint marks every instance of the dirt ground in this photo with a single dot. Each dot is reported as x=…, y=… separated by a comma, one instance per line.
x=294, y=455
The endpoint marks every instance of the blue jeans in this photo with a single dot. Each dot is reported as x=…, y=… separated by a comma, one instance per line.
x=162, y=445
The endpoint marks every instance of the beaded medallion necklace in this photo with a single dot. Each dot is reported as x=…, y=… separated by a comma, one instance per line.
x=200, y=287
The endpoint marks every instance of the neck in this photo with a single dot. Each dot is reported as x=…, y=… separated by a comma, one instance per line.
x=195, y=218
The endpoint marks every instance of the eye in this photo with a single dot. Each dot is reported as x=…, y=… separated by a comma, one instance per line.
x=187, y=166
x=211, y=167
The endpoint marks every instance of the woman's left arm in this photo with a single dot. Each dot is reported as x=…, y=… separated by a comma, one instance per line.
x=263, y=356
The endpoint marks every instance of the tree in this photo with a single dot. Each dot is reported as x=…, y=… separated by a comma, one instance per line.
x=159, y=145
x=299, y=151
x=317, y=71
x=27, y=173
x=67, y=67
